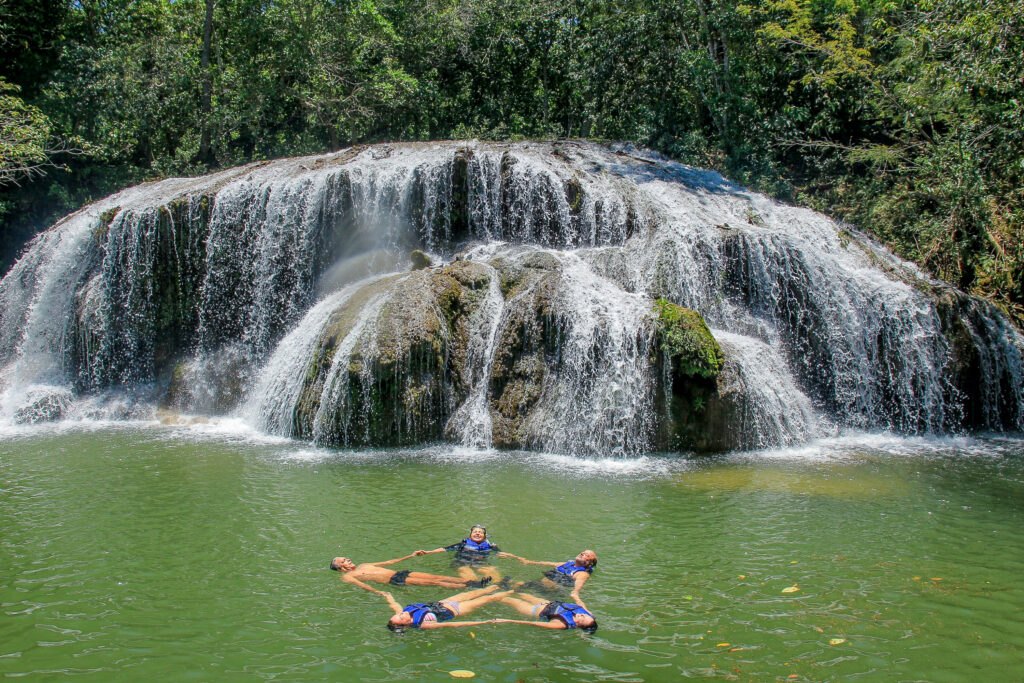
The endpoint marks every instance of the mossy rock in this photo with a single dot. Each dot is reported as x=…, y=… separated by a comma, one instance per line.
x=525, y=355
x=420, y=260
x=574, y=196
x=687, y=341
x=404, y=375
x=102, y=229
x=519, y=274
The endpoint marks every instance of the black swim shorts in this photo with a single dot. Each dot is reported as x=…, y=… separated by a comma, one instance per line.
x=399, y=578
x=550, y=611
x=560, y=578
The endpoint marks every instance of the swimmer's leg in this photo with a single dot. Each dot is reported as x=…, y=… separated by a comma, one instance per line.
x=527, y=608
x=466, y=573
x=490, y=571
x=467, y=606
x=470, y=595
x=424, y=579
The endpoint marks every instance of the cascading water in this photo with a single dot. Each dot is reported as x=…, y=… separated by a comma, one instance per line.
x=566, y=309
x=471, y=423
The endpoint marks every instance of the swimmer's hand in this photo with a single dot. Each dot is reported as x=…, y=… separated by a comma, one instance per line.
x=514, y=557
x=420, y=552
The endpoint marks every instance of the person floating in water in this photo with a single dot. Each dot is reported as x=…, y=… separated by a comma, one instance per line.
x=440, y=614
x=375, y=571
x=556, y=615
x=572, y=574
x=471, y=553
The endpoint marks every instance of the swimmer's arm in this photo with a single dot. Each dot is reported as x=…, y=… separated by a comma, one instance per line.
x=428, y=552
x=396, y=561
x=526, y=561
x=357, y=582
x=580, y=578
x=454, y=624
x=539, y=624
x=392, y=603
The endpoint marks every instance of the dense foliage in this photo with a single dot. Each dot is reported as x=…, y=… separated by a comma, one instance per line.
x=901, y=117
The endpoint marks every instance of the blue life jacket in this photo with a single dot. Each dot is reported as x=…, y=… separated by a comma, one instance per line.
x=566, y=611
x=482, y=547
x=570, y=568
x=418, y=610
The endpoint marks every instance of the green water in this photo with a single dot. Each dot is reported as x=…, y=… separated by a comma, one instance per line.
x=152, y=553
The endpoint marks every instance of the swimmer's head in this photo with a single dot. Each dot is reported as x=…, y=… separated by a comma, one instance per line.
x=400, y=622
x=585, y=623
x=588, y=558
x=342, y=564
x=478, y=532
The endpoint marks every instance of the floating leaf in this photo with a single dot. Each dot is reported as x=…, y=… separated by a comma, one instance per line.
x=837, y=641
x=793, y=561
x=916, y=578
x=793, y=676
x=790, y=589
x=936, y=578
x=735, y=649
x=472, y=635
x=462, y=673
x=722, y=645
x=742, y=576
x=688, y=597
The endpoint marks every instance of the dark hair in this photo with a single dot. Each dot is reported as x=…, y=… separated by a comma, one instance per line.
x=397, y=628
x=590, y=630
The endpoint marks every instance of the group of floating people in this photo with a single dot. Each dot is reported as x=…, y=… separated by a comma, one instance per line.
x=471, y=560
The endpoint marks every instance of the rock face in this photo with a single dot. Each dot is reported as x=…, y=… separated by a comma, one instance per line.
x=699, y=408
x=561, y=296
x=388, y=367
x=526, y=347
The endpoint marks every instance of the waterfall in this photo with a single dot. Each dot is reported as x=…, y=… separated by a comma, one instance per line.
x=288, y=293
x=471, y=423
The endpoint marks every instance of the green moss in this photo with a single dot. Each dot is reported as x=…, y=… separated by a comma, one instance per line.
x=420, y=260
x=101, y=231
x=448, y=294
x=108, y=216
x=686, y=339
x=574, y=195
x=509, y=277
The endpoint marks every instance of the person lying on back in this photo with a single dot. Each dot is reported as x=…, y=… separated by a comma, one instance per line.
x=439, y=614
x=375, y=571
x=572, y=574
x=472, y=552
x=555, y=615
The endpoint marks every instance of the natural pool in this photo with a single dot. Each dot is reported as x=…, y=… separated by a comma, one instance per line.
x=160, y=553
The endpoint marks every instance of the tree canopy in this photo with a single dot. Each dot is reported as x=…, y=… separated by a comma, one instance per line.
x=901, y=117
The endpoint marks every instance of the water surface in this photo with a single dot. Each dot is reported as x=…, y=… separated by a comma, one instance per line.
x=162, y=553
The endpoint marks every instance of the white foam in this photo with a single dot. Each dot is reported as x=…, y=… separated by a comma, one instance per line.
x=855, y=444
